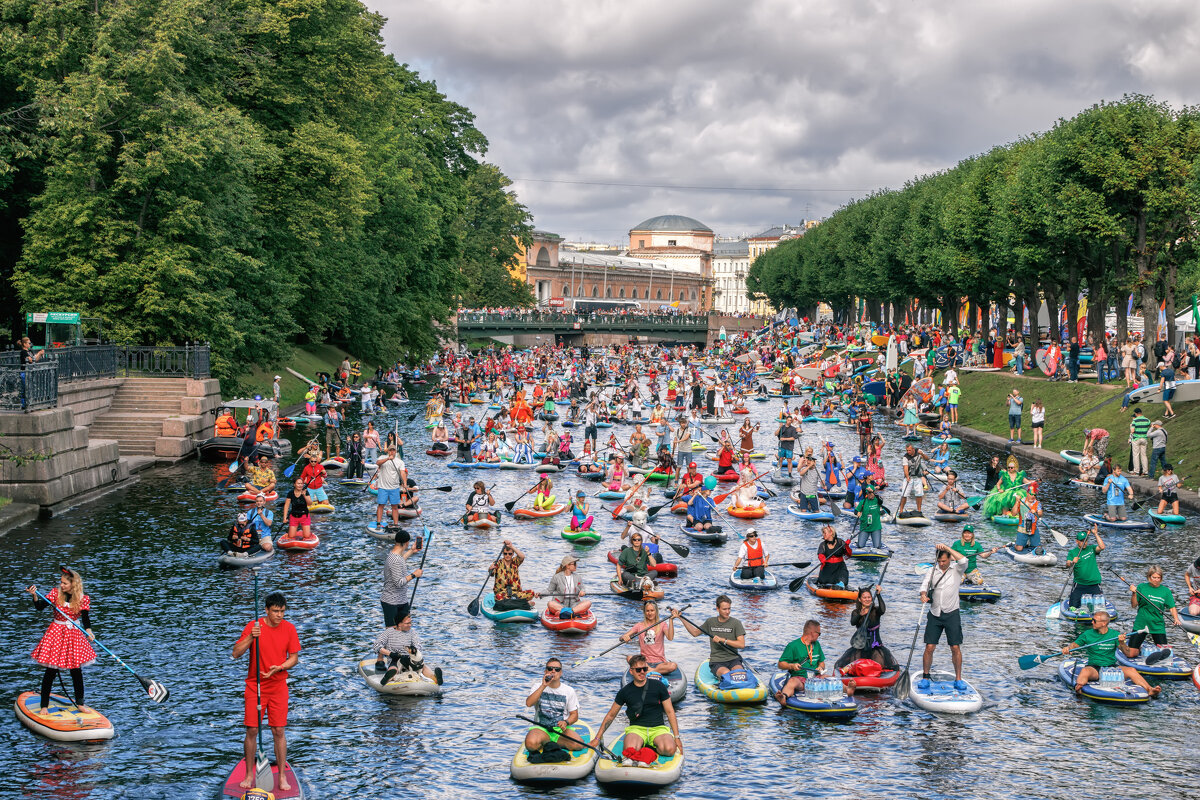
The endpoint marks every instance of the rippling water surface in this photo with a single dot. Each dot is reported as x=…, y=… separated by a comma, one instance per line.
x=160, y=602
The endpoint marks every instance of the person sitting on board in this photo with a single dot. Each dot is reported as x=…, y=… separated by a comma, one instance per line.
x=634, y=565
x=689, y=482
x=700, y=507
x=652, y=638
x=440, y=438
x=832, y=554
x=262, y=477
x=556, y=707
x=565, y=591
x=543, y=493
x=313, y=476
x=398, y=649
x=242, y=539
x=801, y=658
x=939, y=462
x=1089, y=467
x=639, y=520
x=726, y=635
x=648, y=705
x=481, y=504
x=951, y=499
x=866, y=616
x=509, y=596
x=1102, y=652
x=581, y=520
x=967, y=546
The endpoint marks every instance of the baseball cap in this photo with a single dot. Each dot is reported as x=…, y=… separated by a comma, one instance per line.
x=568, y=560
x=968, y=527
x=1079, y=537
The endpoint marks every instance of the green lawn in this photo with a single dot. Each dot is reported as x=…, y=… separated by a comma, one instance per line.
x=983, y=406
x=307, y=360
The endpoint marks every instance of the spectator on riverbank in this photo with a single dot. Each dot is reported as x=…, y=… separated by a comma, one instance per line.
x=1157, y=438
x=1142, y=380
x=1100, y=362
x=1016, y=406
x=1037, y=419
x=1139, y=429
x=1073, y=360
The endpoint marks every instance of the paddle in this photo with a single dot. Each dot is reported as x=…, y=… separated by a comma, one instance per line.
x=262, y=766
x=287, y=473
x=1031, y=661
x=798, y=582
x=509, y=506
x=417, y=580
x=721, y=497
x=705, y=633
x=156, y=691
x=904, y=682
x=619, y=643
x=1161, y=611
x=601, y=749
x=681, y=550
x=473, y=606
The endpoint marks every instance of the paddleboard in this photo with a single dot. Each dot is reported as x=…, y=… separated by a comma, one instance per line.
x=892, y=359
x=63, y=721
x=239, y=772
x=1185, y=392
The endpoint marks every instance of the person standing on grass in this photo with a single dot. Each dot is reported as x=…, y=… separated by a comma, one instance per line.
x=1073, y=360
x=1166, y=384
x=1157, y=439
x=1016, y=405
x=1037, y=419
x=1139, y=430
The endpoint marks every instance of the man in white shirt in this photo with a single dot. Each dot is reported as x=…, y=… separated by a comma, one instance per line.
x=950, y=378
x=940, y=590
x=556, y=704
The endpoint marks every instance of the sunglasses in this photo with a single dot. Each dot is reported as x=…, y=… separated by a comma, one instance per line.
x=553, y=669
x=640, y=669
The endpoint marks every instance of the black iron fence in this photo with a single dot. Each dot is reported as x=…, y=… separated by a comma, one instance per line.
x=35, y=385
x=28, y=389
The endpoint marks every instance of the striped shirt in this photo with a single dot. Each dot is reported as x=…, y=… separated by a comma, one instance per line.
x=1140, y=426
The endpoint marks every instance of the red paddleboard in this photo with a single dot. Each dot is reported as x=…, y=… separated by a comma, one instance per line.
x=239, y=772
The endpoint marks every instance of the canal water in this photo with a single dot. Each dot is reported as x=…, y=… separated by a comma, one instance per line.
x=159, y=601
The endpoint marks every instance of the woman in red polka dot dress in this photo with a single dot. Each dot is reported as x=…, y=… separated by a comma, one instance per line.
x=63, y=646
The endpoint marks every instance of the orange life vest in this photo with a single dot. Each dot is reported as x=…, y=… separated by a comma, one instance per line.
x=754, y=554
x=265, y=431
x=226, y=425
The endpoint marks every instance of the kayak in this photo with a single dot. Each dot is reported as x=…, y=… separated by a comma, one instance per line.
x=741, y=512
x=711, y=536
x=237, y=560
x=811, y=516
x=1072, y=456
x=911, y=518
x=320, y=508
x=663, y=771
x=1032, y=557
x=580, y=537
x=1127, y=525
x=843, y=708
x=871, y=683
x=676, y=682
x=838, y=595
x=870, y=554
x=407, y=683
x=941, y=696
x=488, y=606
x=559, y=772
x=63, y=721
x=949, y=516
x=1168, y=519
x=1172, y=668
x=664, y=569
x=573, y=626
x=284, y=543
x=753, y=584
x=534, y=513
x=709, y=686
x=1125, y=693
x=1078, y=615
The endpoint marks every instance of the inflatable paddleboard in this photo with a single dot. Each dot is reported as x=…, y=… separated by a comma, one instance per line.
x=63, y=721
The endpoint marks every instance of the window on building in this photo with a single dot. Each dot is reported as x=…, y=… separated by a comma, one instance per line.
x=543, y=257
x=595, y=291
x=621, y=294
x=608, y=292
x=658, y=295
x=635, y=293
x=670, y=243
x=566, y=291
x=641, y=244
x=682, y=294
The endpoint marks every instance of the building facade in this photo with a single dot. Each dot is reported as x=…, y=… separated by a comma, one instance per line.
x=682, y=243
x=586, y=276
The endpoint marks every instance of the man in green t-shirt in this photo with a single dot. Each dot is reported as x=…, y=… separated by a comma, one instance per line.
x=972, y=550
x=1152, y=601
x=1139, y=429
x=801, y=658
x=952, y=394
x=1082, y=558
x=1102, y=642
x=870, y=515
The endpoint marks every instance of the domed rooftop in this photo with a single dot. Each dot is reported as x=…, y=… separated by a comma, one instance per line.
x=672, y=222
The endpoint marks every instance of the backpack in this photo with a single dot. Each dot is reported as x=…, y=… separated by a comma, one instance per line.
x=864, y=668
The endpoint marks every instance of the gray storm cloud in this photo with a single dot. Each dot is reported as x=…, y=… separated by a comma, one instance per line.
x=808, y=103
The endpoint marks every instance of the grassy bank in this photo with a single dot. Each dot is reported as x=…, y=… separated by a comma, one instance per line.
x=307, y=360
x=984, y=406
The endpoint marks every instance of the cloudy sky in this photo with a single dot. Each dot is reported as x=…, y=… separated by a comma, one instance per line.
x=749, y=113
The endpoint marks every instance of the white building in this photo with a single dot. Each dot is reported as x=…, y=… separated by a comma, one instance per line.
x=731, y=261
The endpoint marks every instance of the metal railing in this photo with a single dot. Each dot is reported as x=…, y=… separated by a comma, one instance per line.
x=189, y=361
x=568, y=321
x=28, y=388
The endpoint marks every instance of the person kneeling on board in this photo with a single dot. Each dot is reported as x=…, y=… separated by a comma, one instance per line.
x=401, y=648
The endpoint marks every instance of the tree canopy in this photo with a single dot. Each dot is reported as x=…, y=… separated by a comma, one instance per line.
x=244, y=172
x=1105, y=204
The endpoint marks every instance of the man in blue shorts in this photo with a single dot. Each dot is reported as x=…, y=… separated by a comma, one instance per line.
x=387, y=480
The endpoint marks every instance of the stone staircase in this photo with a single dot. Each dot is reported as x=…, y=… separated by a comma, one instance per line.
x=158, y=417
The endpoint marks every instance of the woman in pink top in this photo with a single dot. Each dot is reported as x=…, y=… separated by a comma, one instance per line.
x=652, y=640
x=370, y=441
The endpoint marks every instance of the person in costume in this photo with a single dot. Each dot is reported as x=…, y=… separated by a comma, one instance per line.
x=1010, y=489
x=63, y=646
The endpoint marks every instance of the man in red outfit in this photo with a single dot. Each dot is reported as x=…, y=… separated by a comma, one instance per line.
x=274, y=649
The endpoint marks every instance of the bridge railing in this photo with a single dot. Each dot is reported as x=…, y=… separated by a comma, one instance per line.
x=568, y=321
x=30, y=388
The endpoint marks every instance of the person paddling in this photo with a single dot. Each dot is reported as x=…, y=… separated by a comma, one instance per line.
x=832, y=555
x=939, y=589
x=1102, y=642
x=565, y=591
x=401, y=648
x=967, y=546
x=1083, y=559
x=556, y=705
x=647, y=703
x=803, y=657
x=752, y=557
x=1152, y=601
x=507, y=586
x=652, y=638
x=866, y=616
x=726, y=635
x=63, y=646
x=274, y=649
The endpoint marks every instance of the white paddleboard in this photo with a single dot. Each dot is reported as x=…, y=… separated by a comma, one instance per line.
x=893, y=354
